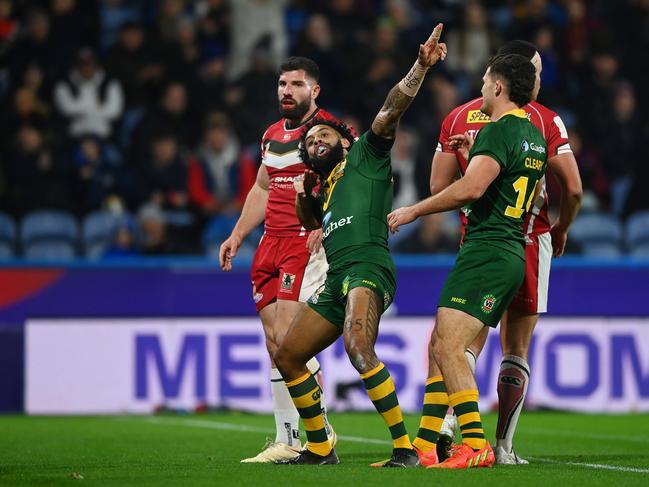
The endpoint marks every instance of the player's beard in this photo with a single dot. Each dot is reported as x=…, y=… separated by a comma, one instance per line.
x=296, y=112
x=324, y=165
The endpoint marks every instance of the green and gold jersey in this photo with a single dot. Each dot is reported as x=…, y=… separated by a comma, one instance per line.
x=520, y=149
x=356, y=199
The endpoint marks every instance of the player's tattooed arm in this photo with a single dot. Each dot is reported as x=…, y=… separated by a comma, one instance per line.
x=401, y=95
x=386, y=121
x=307, y=206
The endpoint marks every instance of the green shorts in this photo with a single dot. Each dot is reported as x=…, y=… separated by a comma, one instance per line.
x=330, y=299
x=483, y=282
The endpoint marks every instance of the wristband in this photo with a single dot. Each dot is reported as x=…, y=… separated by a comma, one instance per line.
x=411, y=83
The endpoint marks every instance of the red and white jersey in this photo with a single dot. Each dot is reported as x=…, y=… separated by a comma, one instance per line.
x=469, y=118
x=279, y=153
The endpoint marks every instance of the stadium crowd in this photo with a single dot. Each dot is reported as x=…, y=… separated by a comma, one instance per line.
x=156, y=108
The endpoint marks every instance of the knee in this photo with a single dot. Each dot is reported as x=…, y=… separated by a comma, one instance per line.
x=282, y=359
x=272, y=347
x=437, y=350
x=361, y=355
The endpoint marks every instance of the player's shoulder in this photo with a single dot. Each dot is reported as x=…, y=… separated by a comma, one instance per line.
x=325, y=115
x=469, y=105
x=465, y=117
x=274, y=130
x=542, y=111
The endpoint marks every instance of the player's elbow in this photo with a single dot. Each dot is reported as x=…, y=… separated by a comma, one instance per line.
x=310, y=225
x=575, y=192
x=438, y=185
x=471, y=192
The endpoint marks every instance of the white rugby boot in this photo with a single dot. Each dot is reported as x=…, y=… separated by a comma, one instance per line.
x=503, y=457
x=273, y=452
x=446, y=438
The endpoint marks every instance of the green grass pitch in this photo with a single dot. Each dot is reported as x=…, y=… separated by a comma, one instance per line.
x=565, y=449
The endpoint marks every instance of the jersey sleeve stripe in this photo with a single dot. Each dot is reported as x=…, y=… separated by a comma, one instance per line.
x=439, y=147
x=542, y=121
x=564, y=148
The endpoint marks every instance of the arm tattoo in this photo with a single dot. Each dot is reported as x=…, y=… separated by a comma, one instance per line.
x=386, y=121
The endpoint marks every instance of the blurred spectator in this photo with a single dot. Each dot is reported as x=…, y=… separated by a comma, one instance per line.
x=404, y=162
x=73, y=24
x=99, y=174
x=470, y=45
x=36, y=178
x=115, y=13
x=154, y=231
x=34, y=47
x=211, y=84
x=533, y=14
x=89, y=99
x=33, y=78
x=350, y=20
x=221, y=175
x=171, y=116
x=638, y=198
x=134, y=65
x=253, y=21
x=123, y=242
x=544, y=42
x=439, y=96
x=163, y=176
x=25, y=109
x=157, y=237
x=214, y=27
x=577, y=31
x=596, y=185
x=251, y=100
x=317, y=43
x=187, y=55
x=595, y=94
x=623, y=125
x=377, y=66
x=8, y=24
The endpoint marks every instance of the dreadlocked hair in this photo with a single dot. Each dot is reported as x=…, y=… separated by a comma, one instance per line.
x=343, y=129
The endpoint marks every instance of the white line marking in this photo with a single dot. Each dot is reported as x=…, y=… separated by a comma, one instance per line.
x=219, y=425
x=584, y=434
x=592, y=465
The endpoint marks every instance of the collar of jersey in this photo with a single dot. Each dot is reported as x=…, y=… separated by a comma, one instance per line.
x=339, y=167
x=517, y=112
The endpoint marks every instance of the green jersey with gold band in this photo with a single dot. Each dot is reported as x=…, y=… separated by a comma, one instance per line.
x=521, y=151
x=356, y=199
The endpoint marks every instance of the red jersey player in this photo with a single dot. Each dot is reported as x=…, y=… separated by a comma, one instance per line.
x=543, y=240
x=284, y=271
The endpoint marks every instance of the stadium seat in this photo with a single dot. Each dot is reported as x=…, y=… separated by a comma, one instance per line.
x=7, y=236
x=602, y=250
x=49, y=228
x=636, y=230
x=640, y=251
x=179, y=218
x=50, y=250
x=47, y=225
x=97, y=231
x=596, y=228
x=217, y=232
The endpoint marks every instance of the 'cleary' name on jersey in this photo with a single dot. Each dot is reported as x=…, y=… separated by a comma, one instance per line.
x=356, y=199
